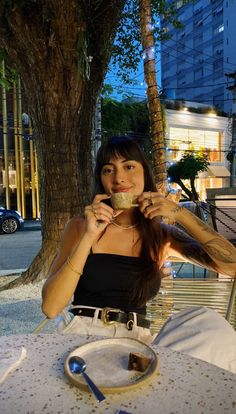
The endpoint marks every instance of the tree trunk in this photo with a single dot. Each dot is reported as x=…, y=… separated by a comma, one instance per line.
x=194, y=192
x=154, y=105
x=185, y=189
x=61, y=52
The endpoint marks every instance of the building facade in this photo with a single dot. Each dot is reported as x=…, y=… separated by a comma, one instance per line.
x=194, y=132
x=195, y=59
x=18, y=160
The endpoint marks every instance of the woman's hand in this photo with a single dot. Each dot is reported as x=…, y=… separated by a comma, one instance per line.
x=152, y=204
x=99, y=215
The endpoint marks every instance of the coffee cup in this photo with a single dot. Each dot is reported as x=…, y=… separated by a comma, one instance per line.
x=122, y=200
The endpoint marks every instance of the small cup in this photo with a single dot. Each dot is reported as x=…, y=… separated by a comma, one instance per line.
x=122, y=201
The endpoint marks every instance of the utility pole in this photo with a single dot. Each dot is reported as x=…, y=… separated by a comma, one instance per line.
x=232, y=154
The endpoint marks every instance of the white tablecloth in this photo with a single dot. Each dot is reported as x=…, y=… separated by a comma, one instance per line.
x=39, y=386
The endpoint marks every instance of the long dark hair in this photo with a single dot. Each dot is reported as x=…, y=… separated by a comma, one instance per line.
x=148, y=281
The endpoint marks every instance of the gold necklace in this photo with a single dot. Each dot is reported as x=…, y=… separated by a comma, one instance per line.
x=124, y=227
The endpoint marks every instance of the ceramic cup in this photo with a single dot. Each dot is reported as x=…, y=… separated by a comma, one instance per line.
x=121, y=201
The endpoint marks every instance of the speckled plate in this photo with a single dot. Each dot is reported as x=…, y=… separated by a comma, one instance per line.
x=107, y=364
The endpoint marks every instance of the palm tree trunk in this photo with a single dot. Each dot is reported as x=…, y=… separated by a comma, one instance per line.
x=154, y=105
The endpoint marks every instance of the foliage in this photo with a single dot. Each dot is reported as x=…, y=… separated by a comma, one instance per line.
x=130, y=118
x=127, y=50
x=10, y=77
x=180, y=105
x=123, y=117
x=187, y=168
x=126, y=118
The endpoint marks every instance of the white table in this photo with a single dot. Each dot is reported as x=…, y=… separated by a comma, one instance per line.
x=39, y=385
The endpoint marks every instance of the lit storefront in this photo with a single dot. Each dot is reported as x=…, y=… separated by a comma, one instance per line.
x=193, y=132
x=18, y=161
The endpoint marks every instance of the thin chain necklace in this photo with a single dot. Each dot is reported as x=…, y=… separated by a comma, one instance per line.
x=120, y=226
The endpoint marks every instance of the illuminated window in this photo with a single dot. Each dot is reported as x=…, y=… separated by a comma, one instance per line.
x=219, y=29
x=185, y=139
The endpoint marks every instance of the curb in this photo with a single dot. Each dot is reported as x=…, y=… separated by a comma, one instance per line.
x=9, y=272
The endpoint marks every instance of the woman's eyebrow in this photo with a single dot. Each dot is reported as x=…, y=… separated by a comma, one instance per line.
x=123, y=161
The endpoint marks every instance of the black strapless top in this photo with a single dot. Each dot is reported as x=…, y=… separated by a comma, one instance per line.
x=108, y=280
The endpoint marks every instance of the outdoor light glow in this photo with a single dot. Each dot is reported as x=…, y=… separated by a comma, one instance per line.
x=149, y=54
x=150, y=26
x=174, y=273
x=211, y=113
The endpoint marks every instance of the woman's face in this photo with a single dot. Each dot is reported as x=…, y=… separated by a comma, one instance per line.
x=121, y=175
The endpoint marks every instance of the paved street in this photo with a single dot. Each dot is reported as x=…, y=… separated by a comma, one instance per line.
x=18, y=250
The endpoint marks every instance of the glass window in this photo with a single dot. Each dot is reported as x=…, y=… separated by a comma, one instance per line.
x=198, y=73
x=198, y=40
x=218, y=65
x=218, y=29
x=186, y=139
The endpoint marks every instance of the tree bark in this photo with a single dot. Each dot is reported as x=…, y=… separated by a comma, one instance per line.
x=61, y=52
x=154, y=105
x=186, y=190
x=194, y=192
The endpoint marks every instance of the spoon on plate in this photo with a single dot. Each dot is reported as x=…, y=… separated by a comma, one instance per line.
x=77, y=365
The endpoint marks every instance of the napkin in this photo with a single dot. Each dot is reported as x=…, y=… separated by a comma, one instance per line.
x=10, y=360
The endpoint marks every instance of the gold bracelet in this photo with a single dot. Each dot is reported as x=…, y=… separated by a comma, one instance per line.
x=70, y=265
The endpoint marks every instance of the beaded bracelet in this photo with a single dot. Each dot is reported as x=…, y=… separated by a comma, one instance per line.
x=70, y=265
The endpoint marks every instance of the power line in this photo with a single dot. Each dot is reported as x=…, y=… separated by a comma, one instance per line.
x=123, y=89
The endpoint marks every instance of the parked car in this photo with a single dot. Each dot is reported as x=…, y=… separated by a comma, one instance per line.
x=10, y=221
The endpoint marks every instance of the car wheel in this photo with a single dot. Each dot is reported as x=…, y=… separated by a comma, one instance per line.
x=9, y=225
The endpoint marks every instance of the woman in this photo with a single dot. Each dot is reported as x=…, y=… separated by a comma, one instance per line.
x=114, y=258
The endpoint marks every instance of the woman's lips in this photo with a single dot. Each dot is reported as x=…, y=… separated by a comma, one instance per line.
x=121, y=190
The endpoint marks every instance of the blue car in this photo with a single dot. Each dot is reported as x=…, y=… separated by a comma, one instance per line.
x=10, y=221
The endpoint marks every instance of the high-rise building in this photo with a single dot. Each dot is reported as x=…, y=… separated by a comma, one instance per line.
x=195, y=59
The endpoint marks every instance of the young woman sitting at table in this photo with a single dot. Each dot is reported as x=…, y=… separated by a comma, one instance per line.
x=110, y=261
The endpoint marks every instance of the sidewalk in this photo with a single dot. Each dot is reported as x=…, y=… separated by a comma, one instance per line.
x=11, y=272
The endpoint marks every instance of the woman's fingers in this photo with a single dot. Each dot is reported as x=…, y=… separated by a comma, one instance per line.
x=155, y=205
x=97, y=212
x=101, y=211
x=149, y=202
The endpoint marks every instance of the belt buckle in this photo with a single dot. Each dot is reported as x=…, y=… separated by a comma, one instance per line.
x=105, y=315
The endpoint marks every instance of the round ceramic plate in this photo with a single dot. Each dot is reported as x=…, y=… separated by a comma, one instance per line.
x=107, y=364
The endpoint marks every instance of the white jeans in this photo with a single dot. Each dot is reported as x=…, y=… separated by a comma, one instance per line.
x=86, y=325
x=197, y=331
x=201, y=333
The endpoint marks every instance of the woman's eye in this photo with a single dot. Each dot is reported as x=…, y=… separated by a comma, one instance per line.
x=107, y=170
x=130, y=167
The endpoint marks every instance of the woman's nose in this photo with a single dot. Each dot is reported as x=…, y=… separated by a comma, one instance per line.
x=119, y=176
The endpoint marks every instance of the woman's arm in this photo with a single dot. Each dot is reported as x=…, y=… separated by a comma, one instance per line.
x=220, y=254
x=206, y=247
x=63, y=277
x=67, y=268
